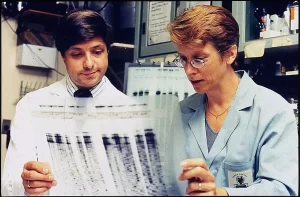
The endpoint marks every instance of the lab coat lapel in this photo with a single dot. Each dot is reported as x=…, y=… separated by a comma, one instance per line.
x=197, y=125
x=244, y=98
x=231, y=122
x=59, y=89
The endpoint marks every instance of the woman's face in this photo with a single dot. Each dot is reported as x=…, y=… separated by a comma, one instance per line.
x=205, y=78
x=87, y=62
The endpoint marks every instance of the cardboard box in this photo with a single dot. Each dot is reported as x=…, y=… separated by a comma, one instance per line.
x=34, y=37
x=269, y=34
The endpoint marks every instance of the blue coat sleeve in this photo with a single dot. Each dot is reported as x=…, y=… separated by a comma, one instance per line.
x=278, y=172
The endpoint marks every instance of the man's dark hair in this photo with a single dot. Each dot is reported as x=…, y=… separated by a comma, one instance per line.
x=82, y=25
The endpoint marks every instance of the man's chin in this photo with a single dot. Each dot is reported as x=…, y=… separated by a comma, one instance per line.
x=89, y=85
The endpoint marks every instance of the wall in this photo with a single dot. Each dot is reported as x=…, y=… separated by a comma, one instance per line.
x=11, y=76
x=161, y=52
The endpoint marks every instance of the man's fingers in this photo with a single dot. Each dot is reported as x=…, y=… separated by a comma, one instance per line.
x=37, y=184
x=36, y=191
x=41, y=167
x=191, y=163
x=33, y=175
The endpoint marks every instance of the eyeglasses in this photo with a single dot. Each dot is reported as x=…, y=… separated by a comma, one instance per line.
x=196, y=62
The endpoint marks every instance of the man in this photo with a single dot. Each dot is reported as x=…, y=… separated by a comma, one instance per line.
x=83, y=39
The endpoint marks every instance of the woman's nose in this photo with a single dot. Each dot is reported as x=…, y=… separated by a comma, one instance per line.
x=189, y=69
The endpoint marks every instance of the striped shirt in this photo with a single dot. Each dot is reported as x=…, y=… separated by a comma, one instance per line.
x=71, y=87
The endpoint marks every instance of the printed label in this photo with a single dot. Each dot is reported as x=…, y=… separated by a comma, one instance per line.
x=240, y=179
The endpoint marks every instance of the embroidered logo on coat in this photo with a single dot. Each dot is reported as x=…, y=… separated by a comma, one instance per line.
x=240, y=179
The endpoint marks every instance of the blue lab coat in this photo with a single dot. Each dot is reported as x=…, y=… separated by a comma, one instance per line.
x=255, y=152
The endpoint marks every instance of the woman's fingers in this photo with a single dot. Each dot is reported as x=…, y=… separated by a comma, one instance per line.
x=201, y=182
x=203, y=174
x=200, y=187
x=191, y=163
x=210, y=193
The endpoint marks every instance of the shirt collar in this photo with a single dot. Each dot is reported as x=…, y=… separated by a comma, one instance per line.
x=71, y=87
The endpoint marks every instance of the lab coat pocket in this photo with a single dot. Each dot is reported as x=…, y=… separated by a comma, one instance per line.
x=239, y=174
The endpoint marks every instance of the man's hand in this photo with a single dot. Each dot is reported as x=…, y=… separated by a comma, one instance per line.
x=37, y=178
x=200, y=180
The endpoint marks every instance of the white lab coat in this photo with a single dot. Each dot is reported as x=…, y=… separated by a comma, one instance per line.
x=22, y=147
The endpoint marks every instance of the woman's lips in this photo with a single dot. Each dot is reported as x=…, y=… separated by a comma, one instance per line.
x=196, y=82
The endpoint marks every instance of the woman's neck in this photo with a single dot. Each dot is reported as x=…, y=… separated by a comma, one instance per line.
x=223, y=94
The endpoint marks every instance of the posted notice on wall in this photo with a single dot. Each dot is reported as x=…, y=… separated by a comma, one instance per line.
x=194, y=3
x=159, y=16
x=190, y=4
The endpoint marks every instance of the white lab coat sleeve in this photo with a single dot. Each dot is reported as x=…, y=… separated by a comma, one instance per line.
x=278, y=159
x=21, y=150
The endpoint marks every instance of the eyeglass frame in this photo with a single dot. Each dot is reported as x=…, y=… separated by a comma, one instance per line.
x=178, y=58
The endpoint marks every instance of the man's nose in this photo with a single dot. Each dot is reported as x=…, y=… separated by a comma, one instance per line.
x=89, y=62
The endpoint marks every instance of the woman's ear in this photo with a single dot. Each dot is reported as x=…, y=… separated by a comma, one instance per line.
x=231, y=54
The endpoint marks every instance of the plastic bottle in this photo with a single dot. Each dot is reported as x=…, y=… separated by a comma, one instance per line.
x=287, y=15
x=278, y=69
x=294, y=12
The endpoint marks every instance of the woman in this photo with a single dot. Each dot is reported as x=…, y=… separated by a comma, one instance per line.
x=233, y=137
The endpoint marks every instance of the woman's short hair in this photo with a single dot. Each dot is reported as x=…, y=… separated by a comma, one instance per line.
x=82, y=25
x=203, y=23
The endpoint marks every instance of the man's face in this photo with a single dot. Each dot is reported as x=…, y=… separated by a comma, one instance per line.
x=87, y=62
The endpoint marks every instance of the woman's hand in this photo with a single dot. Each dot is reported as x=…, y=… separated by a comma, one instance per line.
x=201, y=182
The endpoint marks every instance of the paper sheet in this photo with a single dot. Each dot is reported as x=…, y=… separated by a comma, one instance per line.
x=104, y=147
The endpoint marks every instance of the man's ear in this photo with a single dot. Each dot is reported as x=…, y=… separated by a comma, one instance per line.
x=62, y=57
x=231, y=54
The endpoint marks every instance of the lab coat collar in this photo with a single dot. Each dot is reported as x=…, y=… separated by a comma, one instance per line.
x=244, y=95
x=59, y=88
x=246, y=91
x=244, y=98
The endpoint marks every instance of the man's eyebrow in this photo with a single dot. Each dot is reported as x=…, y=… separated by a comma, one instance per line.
x=98, y=46
x=75, y=48
x=93, y=47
